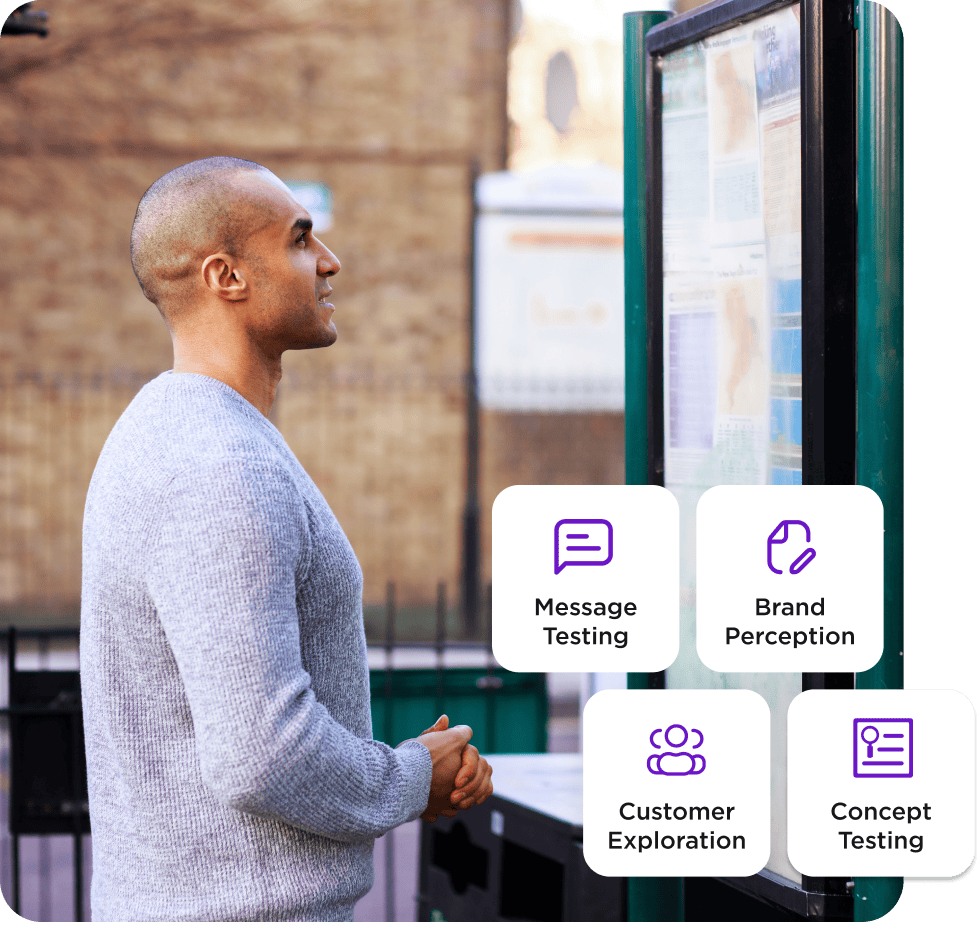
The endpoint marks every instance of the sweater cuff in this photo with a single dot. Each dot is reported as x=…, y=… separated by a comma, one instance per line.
x=416, y=761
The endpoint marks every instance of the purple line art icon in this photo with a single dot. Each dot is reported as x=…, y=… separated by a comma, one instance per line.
x=883, y=747
x=779, y=536
x=582, y=542
x=685, y=762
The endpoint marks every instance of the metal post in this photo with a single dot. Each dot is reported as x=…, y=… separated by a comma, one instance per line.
x=880, y=344
x=44, y=842
x=79, y=790
x=390, y=616
x=471, y=516
x=635, y=27
x=491, y=679
x=829, y=274
x=15, y=868
x=490, y=658
x=79, y=882
x=14, y=838
x=439, y=642
x=648, y=898
x=880, y=310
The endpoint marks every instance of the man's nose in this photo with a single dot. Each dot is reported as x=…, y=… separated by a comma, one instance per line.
x=328, y=264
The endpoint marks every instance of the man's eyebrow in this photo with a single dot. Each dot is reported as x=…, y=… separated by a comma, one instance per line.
x=302, y=223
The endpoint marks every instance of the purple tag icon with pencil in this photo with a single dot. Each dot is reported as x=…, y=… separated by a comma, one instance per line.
x=582, y=542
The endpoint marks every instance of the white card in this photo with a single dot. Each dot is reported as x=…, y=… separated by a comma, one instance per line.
x=585, y=578
x=881, y=783
x=790, y=578
x=677, y=782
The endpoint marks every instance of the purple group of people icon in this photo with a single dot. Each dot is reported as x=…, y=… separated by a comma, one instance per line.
x=682, y=762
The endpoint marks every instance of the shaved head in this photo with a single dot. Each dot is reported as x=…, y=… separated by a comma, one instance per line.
x=191, y=212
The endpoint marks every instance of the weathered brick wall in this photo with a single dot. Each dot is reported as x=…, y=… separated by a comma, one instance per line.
x=547, y=448
x=52, y=427
x=387, y=103
x=387, y=454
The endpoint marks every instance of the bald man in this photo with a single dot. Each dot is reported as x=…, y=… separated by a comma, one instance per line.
x=231, y=770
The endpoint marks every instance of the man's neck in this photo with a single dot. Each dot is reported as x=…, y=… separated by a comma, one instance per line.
x=256, y=379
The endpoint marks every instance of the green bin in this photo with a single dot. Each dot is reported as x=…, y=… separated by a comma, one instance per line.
x=506, y=710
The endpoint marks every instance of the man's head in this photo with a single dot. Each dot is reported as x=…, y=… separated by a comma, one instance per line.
x=223, y=238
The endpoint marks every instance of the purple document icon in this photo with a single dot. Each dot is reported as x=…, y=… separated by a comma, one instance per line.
x=779, y=536
x=883, y=747
x=582, y=542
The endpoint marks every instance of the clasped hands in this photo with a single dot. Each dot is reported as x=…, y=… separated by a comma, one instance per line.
x=460, y=776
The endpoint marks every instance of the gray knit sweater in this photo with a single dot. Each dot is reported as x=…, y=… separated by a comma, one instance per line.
x=231, y=770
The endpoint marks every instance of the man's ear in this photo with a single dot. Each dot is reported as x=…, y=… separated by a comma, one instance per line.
x=223, y=276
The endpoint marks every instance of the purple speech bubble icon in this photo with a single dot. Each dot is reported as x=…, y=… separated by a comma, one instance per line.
x=581, y=543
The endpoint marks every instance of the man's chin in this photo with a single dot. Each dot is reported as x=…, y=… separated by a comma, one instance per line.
x=325, y=336
x=321, y=341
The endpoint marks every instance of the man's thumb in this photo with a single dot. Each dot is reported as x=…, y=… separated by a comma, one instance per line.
x=466, y=732
x=441, y=724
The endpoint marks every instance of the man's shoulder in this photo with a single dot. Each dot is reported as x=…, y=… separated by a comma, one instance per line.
x=186, y=425
x=183, y=419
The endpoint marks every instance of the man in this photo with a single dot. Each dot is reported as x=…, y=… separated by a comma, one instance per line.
x=231, y=770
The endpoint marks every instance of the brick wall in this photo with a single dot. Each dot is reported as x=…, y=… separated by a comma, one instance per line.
x=387, y=103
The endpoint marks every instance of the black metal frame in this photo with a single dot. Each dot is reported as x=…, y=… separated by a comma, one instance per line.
x=828, y=47
x=37, y=807
x=829, y=242
x=829, y=287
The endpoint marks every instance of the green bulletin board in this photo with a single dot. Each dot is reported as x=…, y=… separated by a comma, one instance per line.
x=941, y=336
x=940, y=639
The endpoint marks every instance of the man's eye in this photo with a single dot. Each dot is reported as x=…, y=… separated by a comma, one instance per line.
x=302, y=239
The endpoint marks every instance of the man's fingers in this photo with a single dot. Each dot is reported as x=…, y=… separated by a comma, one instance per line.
x=466, y=732
x=476, y=798
x=441, y=724
x=477, y=790
x=487, y=790
x=482, y=791
x=469, y=767
x=466, y=791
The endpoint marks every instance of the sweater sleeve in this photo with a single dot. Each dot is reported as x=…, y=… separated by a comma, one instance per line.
x=231, y=539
